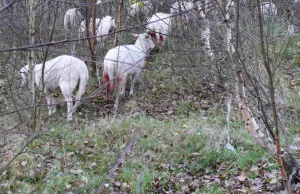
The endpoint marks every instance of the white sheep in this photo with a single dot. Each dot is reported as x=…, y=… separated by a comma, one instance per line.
x=71, y=24
x=268, y=8
x=72, y=19
x=102, y=28
x=124, y=61
x=65, y=72
x=159, y=26
x=144, y=7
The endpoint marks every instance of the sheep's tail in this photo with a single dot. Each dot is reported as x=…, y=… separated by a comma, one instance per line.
x=108, y=75
x=83, y=78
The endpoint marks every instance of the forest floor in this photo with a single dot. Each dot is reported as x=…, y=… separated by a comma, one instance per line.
x=182, y=145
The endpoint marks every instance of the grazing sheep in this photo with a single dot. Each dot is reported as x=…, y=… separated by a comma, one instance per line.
x=124, y=61
x=82, y=27
x=103, y=26
x=144, y=7
x=160, y=28
x=268, y=8
x=72, y=19
x=65, y=72
x=71, y=23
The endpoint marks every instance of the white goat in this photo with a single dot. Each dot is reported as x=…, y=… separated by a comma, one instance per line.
x=268, y=8
x=144, y=7
x=65, y=72
x=82, y=27
x=126, y=60
x=160, y=27
x=103, y=26
x=71, y=23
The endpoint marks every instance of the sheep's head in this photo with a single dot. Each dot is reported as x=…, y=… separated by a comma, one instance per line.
x=153, y=36
x=109, y=21
x=24, y=76
x=145, y=40
x=113, y=23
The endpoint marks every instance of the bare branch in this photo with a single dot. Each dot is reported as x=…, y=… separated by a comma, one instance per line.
x=120, y=161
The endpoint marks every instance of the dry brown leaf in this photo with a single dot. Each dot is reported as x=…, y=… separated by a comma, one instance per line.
x=242, y=177
x=23, y=163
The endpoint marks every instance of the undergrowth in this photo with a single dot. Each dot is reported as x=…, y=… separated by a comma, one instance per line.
x=70, y=158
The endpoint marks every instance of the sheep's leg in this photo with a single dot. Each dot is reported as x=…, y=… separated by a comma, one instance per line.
x=142, y=82
x=132, y=83
x=54, y=102
x=67, y=92
x=73, y=44
x=158, y=38
x=81, y=90
x=106, y=81
x=75, y=35
x=49, y=98
x=122, y=79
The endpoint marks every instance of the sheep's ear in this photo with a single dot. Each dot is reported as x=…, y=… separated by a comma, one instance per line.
x=152, y=34
x=24, y=71
x=135, y=35
x=161, y=38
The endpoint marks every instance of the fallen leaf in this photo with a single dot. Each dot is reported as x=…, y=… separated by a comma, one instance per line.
x=273, y=181
x=70, y=153
x=242, y=177
x=68, y=186
x=254, y=168
x=23, y=163
x=230, y=147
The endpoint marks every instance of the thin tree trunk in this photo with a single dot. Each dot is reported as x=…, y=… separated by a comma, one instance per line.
x=94, y=32
x=228, y=33
x=273, y=104
x=121, y=3
x=116, y=105
x=285, y=160
x=31, y=73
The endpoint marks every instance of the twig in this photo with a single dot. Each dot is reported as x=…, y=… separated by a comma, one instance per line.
x=139, y=185
x=117, y=165
x=91, y=37
x=7, y=6
x=292, y=175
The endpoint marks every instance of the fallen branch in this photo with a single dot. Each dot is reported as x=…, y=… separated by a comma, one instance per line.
x=250, y=122
x=117, y=165
x=289, y=164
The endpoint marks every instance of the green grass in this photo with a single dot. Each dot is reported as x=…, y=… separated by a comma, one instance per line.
x=66, y=159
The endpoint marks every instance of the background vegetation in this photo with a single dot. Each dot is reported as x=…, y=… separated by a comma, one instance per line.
x=179, y=117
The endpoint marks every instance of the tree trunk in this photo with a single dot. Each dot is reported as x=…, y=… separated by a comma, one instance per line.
x=31, y=60
x=226, y=4
x=121, y=3
x=94, y=32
